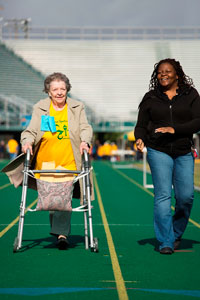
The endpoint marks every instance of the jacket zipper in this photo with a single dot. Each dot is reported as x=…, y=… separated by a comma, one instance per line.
x=170, y=109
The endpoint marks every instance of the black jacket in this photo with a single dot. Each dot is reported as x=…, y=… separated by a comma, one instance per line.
x=182, y=113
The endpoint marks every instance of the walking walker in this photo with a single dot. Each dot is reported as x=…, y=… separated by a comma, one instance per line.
x=90, y=241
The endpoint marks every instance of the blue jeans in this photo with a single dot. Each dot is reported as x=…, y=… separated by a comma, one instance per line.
x=167, y=172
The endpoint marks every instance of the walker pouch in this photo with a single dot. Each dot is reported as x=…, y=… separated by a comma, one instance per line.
x=54, y=196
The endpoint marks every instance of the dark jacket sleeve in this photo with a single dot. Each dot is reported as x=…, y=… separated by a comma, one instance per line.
x=143, y=119
x=192, y=126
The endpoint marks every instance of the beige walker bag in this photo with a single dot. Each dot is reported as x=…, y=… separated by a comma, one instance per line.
x=54, y=190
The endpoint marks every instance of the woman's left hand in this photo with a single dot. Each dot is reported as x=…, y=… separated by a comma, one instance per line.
x=84, y=146
x=165, y=130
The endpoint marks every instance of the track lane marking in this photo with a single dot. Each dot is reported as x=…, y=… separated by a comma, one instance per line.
x=15, y=220
x=121, y=289
x=148, y=192
x=4, y=186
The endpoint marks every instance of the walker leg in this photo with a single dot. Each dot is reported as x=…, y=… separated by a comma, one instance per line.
x=85, y=213
x=93, y=241
x=86, y=231
x=89, y=213
x=18, y=240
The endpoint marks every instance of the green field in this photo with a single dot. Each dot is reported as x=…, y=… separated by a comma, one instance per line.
x=128, y=265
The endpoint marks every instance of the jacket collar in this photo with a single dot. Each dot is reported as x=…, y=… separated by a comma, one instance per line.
x=72, y=103
x=44, y=104
x=180, y=91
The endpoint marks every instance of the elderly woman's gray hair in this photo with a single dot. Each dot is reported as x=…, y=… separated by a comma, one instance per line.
x=56, y=77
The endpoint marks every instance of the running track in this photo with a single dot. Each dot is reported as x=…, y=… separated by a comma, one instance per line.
x=127, y=265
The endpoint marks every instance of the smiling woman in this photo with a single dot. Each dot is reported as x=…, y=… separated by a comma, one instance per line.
x=57, y=86
x=57, y=93
x=57, y=135
x=168, y=79
x=169, y=114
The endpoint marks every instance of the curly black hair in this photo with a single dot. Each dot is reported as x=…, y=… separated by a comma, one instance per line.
x=56, y=76
x=183, y=80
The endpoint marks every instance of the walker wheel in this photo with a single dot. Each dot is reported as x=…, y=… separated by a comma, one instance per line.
x=15, y=246
x=95, y=248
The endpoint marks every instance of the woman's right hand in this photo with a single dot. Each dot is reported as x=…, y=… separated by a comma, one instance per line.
x=27, y=146
x=140, y=145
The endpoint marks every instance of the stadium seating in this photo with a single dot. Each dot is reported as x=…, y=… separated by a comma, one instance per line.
x=106, y=74
x=110, y=75
x=19, y=78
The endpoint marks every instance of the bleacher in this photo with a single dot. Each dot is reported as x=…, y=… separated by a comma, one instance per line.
x=19, y=78
x=111, y=76
x=105, y=74
x=20, y=87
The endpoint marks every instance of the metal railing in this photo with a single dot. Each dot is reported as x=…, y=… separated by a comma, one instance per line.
x=15, y=114
x=14, y=31
x=13, y=110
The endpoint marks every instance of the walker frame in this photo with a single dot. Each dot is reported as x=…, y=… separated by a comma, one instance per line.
x=90, y=241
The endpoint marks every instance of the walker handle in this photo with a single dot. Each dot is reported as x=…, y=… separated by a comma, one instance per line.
x=27, y=158
x=86, y=160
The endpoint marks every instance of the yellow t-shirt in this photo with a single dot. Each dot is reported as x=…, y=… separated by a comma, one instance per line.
x=56, y=147
x=107, y=149
x=12, y=146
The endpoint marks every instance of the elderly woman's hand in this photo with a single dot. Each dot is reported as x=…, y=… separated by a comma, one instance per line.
x=27, y=146
x=83, y=146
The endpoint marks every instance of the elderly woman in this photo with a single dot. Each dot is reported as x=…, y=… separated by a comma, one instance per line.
x=63, y=144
